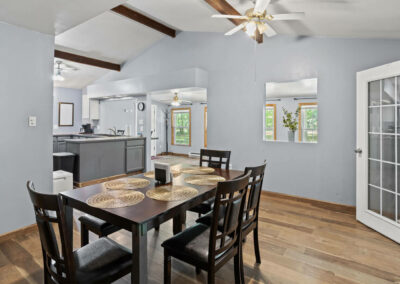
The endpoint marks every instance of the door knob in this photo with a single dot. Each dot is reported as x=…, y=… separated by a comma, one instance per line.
x=358, y=151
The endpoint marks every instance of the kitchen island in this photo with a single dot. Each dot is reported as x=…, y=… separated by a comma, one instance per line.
x=100, y=157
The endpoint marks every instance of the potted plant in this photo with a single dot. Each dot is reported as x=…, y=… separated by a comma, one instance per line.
x=291, y=122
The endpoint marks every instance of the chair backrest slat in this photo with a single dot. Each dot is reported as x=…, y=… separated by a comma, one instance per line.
x=215, y=158
x=48, y=212
x=229, y=198
x=253, y=194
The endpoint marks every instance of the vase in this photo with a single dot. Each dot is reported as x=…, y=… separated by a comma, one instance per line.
x=291, y=136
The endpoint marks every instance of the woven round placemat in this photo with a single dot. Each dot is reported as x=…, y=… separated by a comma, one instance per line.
x=127, y=183
x=172, y=193
x=115, y=199
x=150, y=174
x=198, y=170
x=204, y=179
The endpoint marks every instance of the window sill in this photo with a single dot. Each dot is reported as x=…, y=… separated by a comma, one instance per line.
x=285, y=141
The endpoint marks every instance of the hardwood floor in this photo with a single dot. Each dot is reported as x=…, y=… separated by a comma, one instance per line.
x=300, y=243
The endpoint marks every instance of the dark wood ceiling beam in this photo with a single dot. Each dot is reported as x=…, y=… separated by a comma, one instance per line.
x=86, y=60
x=140, y=18
x=225, y=8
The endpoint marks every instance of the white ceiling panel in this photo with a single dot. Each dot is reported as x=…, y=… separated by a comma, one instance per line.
x=85, y=75
x=187, y=94
x=109, y=37
x=185, y=15
x=52, y=16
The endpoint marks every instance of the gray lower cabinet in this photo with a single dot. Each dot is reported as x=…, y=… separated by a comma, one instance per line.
x=134, y=158
x=62, y=146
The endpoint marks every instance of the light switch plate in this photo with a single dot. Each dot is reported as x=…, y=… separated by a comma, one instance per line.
x=32, y=121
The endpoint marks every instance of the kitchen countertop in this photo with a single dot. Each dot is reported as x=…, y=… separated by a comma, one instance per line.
x=103, y=139
x=90, y=138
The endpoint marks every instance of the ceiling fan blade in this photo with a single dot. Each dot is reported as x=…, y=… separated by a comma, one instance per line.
x=291, y=16
x=235, y=29
x=230, y=16
x=269, y=31
x=261, y=5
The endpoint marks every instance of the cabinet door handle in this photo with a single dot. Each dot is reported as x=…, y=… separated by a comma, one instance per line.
x=60, y=178
x=358, y=151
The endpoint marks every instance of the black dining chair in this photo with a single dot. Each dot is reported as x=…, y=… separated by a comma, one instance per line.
x=215, y=159
x=210, y=247
x=251, y=208
x=102, y=261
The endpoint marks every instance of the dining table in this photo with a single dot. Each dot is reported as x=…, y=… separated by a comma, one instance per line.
x=141, y=217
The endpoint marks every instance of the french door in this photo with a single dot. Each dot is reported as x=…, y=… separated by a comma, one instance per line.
x=378, y=149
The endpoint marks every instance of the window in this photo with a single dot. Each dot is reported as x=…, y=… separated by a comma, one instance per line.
x=270, y=122
x=181, y=126
x=308, y=122
x=205, y=127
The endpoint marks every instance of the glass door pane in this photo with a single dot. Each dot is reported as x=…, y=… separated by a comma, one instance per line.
x=383, y=147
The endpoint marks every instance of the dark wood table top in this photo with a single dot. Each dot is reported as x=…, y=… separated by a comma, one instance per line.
x=147, y=209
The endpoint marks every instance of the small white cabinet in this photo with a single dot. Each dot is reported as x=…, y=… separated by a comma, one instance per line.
x=94, y=106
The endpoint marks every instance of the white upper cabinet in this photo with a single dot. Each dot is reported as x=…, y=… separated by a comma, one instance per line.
x=94, y=106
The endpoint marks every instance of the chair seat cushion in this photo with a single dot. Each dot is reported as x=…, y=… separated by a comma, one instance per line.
x=97, y=225
x=204, y=207
x=192, y=243
x=101, y=261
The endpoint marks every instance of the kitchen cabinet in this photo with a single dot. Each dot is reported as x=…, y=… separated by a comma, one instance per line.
x=94, y=109
x=135, y=155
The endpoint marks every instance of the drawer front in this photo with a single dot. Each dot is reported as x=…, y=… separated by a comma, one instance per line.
x=139, y=142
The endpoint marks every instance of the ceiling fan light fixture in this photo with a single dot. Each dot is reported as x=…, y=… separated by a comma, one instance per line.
x=58, y=76
x=175, y=101
x=261, y=27
x=251, y=28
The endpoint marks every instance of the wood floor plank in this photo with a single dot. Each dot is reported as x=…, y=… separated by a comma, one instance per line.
x=299, y=243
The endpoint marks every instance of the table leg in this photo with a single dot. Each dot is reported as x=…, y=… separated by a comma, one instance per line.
x=139, y=254
x=178, y=222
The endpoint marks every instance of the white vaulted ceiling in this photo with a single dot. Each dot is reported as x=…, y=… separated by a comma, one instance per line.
x=89, y=28
x=185, y=15
x=52, y=16
x=109, y=36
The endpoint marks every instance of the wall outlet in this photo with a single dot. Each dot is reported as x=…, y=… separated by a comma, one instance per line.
x=32, y=121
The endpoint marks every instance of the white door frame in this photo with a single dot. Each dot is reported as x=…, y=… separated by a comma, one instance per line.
x=383, y=225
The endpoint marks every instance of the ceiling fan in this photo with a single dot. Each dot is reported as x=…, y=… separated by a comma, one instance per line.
x=60, y=67
x=256, y=20
x=177, y=102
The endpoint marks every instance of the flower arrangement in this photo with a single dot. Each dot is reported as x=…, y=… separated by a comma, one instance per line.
x=290, y=120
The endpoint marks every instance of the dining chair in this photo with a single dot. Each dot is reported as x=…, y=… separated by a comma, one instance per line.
x=214, y=159
x=250, y=211
x=102, y=261
x=210, y=247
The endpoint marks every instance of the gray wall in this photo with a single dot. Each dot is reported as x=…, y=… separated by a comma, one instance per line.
x=67, y=95
x=238, y=69
x=197, y=130
x=117, y=113
x=26, y=67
